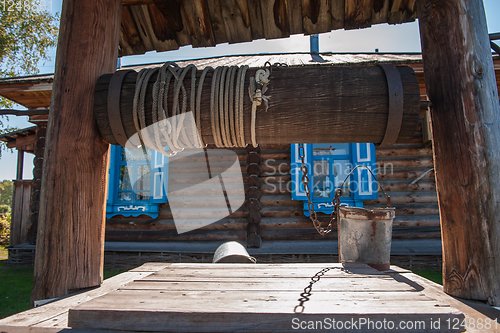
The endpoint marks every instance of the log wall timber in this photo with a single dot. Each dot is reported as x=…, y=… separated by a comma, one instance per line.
x=460, y=81
x=333, y=104
x=37, y=181
x=70, y=242
x=282, y=218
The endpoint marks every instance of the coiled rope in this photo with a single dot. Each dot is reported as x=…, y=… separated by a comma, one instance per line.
x=226, y=106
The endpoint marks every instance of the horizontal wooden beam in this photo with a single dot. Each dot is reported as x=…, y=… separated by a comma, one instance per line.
x=308, y=104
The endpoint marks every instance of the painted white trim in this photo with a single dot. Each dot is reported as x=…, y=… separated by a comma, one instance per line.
x=131, y=207
x=368, y=152
x=298, y=181
x=157, y=165
x=154, y=185
x=369, y=179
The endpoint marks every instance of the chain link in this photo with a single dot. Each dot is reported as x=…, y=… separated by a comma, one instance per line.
x=312, y=213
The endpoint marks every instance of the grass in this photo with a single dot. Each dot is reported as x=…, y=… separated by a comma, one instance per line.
x=430, y=274
x=15, y=288
x=16, y=283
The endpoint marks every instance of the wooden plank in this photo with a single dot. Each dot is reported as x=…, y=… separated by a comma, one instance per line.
x=255, y=14
x=224, y=322
x=380, y=11
x=20, y=162
x=17, y=209
x=251, y=285
x=154, y=31
x=295, y=16
x=337, y=9
x=52, y=310
x=25, y=215
x=24, y=141
x=267, y=304
x=402, y=11
x=406, y=197
x=358, y=14
x=217, y=22
x=474, y=311
x=264, y=302
x=125, y=307
x=466, y=143
x=316, y=17
x=150, y=267
x=275, y=18
x=196, y=19
x=71, y=240
x=236, y=20
x=130, y=39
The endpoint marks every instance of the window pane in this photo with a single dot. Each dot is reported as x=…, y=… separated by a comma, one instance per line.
x=125, y=196
x=142, y=196
x=136, y=154
x=329, y=149
x=143, y=177
x=322, y=185
x=124, y=180
x=341, y=169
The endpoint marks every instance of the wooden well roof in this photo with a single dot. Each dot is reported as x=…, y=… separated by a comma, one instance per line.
x=35, y=91
x=164, y=25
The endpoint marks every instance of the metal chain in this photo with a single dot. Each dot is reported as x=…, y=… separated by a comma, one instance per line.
x=304, y=297
x=312, y=213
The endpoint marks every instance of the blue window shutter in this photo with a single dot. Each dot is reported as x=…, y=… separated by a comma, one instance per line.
x=112, y=174
x=298, y=192
x=364, y=186
x=159, y=177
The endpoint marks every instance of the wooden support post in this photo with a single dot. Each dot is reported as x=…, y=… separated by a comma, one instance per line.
x=465, y=114
x=70, y=242
x=20, y=164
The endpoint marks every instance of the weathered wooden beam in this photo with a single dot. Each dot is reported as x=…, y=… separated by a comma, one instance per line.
x=20, y=164
x=308, y=104
x=70, y=241
x=25, y=141
x=460, y=82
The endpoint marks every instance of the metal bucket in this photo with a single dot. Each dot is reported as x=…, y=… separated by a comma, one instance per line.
x=365, y=235
x=232, y=252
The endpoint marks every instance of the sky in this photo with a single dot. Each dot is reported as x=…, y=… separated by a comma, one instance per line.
x=386, y=38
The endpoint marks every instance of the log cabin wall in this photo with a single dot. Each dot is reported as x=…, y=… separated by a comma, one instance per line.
x=417, y=214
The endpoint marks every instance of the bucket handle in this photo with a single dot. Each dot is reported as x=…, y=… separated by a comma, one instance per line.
x=339, y=190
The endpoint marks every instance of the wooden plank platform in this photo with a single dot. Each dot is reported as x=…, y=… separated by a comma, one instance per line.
x=256, y=298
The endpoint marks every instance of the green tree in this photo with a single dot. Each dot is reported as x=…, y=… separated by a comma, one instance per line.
x=5, y=221
x=6, y=192
x=28, y=31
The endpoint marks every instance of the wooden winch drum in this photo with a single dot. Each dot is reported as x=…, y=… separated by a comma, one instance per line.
x=308, y=104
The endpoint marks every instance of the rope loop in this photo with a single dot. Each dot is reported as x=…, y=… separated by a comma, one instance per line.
x=226, y=106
